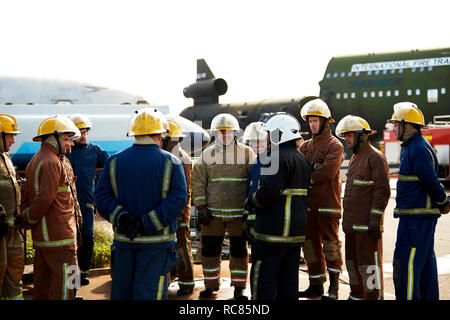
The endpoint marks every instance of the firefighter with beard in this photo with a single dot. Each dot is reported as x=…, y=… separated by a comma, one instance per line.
x=322, y=248
x=366, y=196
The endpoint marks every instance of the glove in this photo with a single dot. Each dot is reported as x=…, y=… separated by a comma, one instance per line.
x=374, y=226
x=128, y=225
x=445, y=207
x=21, y=223
x=3, y=222
x=204, y=215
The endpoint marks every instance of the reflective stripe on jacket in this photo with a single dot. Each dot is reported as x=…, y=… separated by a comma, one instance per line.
x=281, y=199
x=219, y=179
x=149, y=183
x=52, y=205
x=367, y=189
x=326, y=152
x=9, y=188
x=418, y=188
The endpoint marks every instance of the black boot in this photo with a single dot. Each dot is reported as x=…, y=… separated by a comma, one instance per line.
x=333, y=288
x=314, y=290
x=84, y=279
x=208, y=292
x=184, y=291
x=239, y=294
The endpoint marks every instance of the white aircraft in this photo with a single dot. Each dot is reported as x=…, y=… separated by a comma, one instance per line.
x=109, y=127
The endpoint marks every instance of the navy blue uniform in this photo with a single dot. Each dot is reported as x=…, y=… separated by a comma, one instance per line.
x=280, y=225
x=149, y=183
x=85, y=160
x=419, y=195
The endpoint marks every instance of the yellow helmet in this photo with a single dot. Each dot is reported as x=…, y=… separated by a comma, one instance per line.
x=353, y=123
x=8, y=124
x=254, y=131
x=224, y=121
x=147, y=121
x=58, y=125
x=407, y=112
x=316, y=108
x=175, y=130
x=81, y=121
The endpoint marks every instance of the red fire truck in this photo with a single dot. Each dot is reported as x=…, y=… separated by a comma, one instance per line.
x=436, y=133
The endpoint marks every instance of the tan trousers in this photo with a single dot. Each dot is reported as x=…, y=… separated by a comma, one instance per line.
x=211, y=243
x=11, y=265
x=54, y=274
x=322, y=246
x=364, y=261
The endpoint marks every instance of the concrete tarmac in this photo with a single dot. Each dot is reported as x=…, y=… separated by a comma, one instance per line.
x=100, y=281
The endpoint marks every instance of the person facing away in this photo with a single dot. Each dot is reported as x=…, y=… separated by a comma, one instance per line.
x=142, y=191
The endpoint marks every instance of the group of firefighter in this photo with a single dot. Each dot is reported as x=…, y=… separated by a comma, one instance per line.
x=274, y=192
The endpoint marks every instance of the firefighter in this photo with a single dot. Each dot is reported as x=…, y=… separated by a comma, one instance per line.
x=50, y=211
x=256, y=138
x=142, y=191
x=280, y=203
x=421, y=199
x=184, y=266
x=366, y=196
x=85, y=157
x=219, y=182
x=322, y=247
x=11, y=252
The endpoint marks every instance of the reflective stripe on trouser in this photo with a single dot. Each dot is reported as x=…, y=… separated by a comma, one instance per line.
x=274, y=275
x=364, y=262
x=141, y=274
x=53, y=274
x=415, y=268
x=11, y=266
x=322, y=247
x=184, y=266
x=211, y=264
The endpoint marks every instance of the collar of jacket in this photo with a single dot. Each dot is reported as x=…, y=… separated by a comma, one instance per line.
x=363, y=149
x=221, y=147
x=325, y=134
x=48, y=147
x=413, y=137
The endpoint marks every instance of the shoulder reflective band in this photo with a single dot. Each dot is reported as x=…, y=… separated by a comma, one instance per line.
x=112, y=176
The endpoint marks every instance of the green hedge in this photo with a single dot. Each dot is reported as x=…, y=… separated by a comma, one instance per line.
x=101, y=255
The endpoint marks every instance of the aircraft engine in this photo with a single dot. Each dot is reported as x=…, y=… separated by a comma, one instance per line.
x=206, y=91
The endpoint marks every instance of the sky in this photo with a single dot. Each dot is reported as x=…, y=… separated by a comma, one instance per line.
x=263, y=49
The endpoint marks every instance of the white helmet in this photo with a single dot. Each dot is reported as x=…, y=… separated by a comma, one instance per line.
x=254, y=131
x=353, y=123
x=282, y=127
x=224, y=121
x=316, y=108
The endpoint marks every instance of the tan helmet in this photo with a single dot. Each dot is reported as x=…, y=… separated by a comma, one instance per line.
x=224, y=121
x=8, y=124
x=57, y=125
x=353, y=123
x=316, y=108
x=147, y=121
x=254, y=131
x=81, y=121
x=407, y=112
